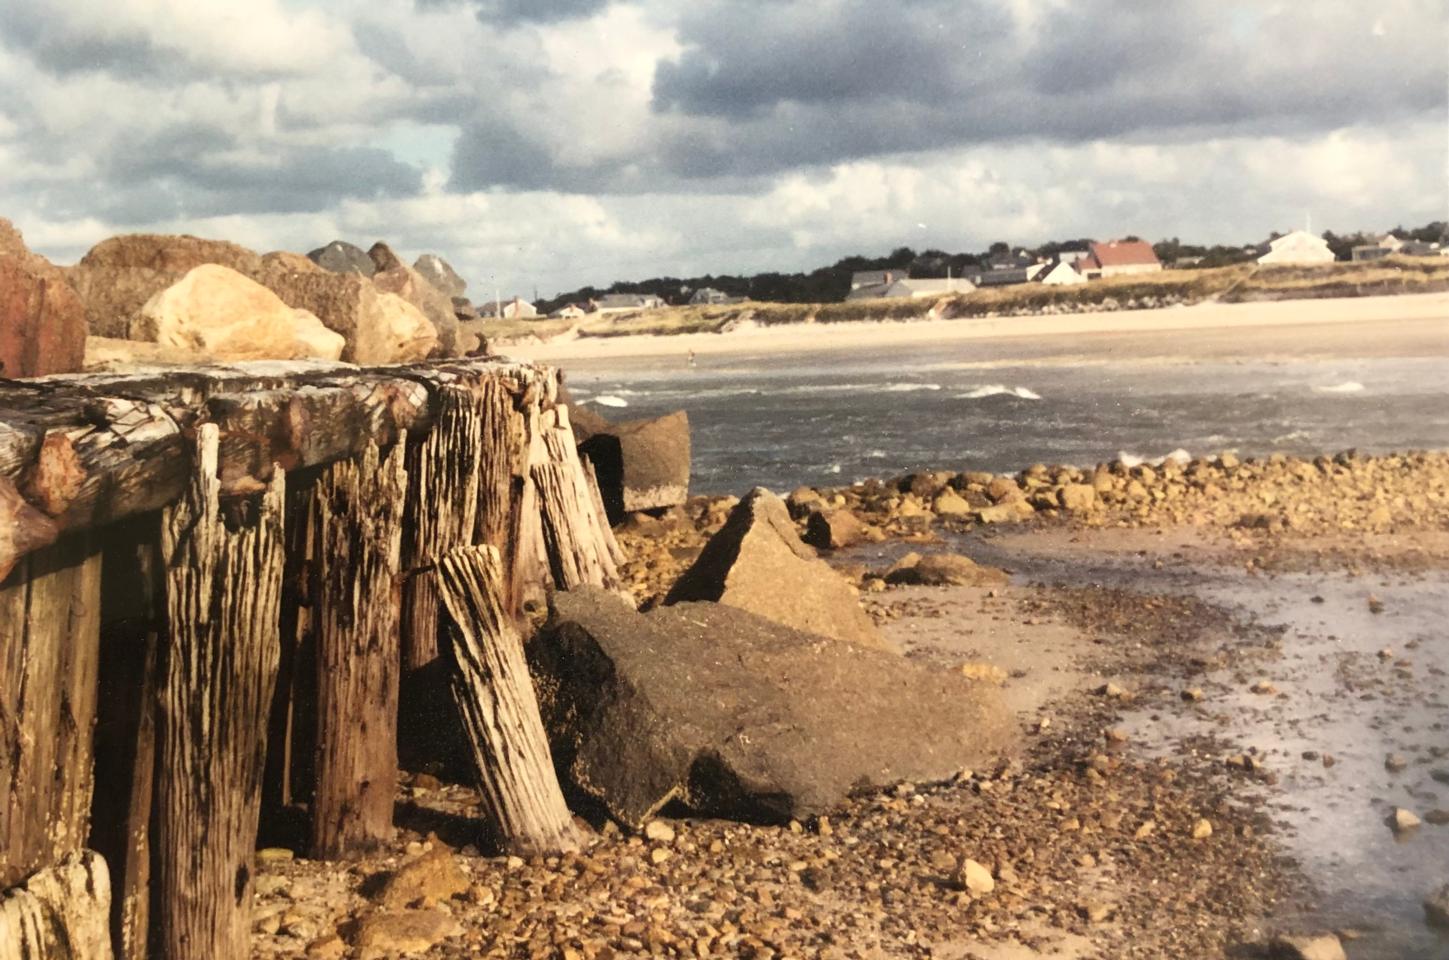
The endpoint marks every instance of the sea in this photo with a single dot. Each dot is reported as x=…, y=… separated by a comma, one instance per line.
x=833, y=417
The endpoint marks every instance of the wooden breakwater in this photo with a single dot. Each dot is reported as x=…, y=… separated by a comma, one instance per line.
x=211, y=583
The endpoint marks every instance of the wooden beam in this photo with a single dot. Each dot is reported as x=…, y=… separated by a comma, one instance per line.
x=577, y=536
x=495, y=697
x=219, y=663
x=357, y=518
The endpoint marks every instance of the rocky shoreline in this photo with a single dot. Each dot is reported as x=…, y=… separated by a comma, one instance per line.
x=1090, y=844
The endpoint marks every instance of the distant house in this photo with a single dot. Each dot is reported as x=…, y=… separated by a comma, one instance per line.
x=904, y=286
x=1073, y=254
x=1007, y=276
x=1119, y=258
x=1018, y=259
x=1368, y=251
x=1299, y=246
x=1061, y=273
x=569, y=311
x=709, y=295
x=627, y=302
x=876, y=278
x=1420, y=248
x=515, y=309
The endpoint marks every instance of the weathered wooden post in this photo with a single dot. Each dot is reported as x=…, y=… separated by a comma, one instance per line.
x=219, y=663
x=577, y=535
x=442, y=508
x=357, y=518
x=495, y=697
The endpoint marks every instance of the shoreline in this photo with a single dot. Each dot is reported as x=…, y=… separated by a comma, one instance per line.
x=1197, y=319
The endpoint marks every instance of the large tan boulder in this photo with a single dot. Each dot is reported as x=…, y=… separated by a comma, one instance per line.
x=757, y=562
x=42, y=321
x=119, y=275
x=377, y=327
x=214, y=310
x=116, y=354
x=394, y=276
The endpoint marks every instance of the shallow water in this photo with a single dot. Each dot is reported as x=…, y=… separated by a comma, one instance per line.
x=1336, y=696
x=832, y=417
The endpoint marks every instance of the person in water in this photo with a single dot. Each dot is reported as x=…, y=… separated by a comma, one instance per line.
x=691, y=358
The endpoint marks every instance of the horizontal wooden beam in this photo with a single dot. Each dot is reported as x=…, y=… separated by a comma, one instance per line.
x=82, y=450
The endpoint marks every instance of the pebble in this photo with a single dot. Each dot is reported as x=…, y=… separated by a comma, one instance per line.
x=1395, y=762
x=1402, y=821
x=1202, y=829
x=1323, y=946
x=974, y=878
x=659, y=831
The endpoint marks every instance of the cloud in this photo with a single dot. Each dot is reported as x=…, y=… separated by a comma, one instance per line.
x=582, y=141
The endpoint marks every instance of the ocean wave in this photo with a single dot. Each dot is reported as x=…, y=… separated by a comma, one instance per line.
x=998, y=390
x=1295, y=436
x=911, y=387
x=1179, y=456
x=1348, y=386
x=608, y=400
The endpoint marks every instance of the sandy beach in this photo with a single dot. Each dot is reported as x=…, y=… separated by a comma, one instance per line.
x=1417, y=324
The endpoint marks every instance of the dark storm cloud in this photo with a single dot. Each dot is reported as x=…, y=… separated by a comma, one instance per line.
x=766, y=86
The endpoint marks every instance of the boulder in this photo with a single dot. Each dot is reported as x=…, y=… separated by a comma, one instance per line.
x=949, y=503
x=394, y=276
x=435, y=876
x=440, y=274
x=377, y=327
x=1003, y=489
x=119, y=275
x=803, y=501
x=835, y=530
x=464, y=310
x=944, y=569
x=217, y=312
x=756, y=562
x=739, y=716
x=641, y=464
x=115, y=354
x=42, y=321
x=339, y=256
x=584, y=420
x=1077, y=497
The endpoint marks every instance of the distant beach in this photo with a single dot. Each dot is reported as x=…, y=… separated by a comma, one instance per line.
x=1359, y=326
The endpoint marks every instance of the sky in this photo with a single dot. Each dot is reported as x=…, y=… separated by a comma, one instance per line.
x=547, y=144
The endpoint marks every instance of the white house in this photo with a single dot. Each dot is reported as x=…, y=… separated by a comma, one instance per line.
x=1299, y=246
x=906, y=287
x=627, y=302
x=515, y=309
x=1061, y=273
x=569, y=311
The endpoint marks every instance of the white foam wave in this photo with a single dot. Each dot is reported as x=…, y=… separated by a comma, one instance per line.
x=911, y=387
x=998, y=390
x=1179, y=456
x=609, y=400
x=1348, y=386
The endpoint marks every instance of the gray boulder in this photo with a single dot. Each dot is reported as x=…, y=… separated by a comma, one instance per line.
x=339, y=256
x=757, y=562
x=440, y=274
x=1436, y=908
x=738, y=716
x=641, y=464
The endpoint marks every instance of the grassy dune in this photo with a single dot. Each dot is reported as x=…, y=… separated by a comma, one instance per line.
x=1236, y=284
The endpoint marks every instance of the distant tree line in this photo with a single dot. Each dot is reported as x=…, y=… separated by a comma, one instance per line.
x=828, y=284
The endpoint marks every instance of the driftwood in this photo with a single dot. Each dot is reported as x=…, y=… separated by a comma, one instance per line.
x=49, y=652
x=495, y=697
x=357, y=520
x=223, y=590
x=59, y=914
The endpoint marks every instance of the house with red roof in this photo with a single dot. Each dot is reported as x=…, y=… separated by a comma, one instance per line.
x=1119, y=258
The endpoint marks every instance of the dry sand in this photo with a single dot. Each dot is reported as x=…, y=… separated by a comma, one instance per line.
x=1418, y=323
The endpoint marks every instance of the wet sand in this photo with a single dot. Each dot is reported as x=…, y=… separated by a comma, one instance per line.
x=1413, y=325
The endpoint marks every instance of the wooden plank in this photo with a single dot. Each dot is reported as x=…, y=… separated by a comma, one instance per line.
x=358, y=506
x=495, y=697
x=219, y=662
x=49, y=643
x=577, y=536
